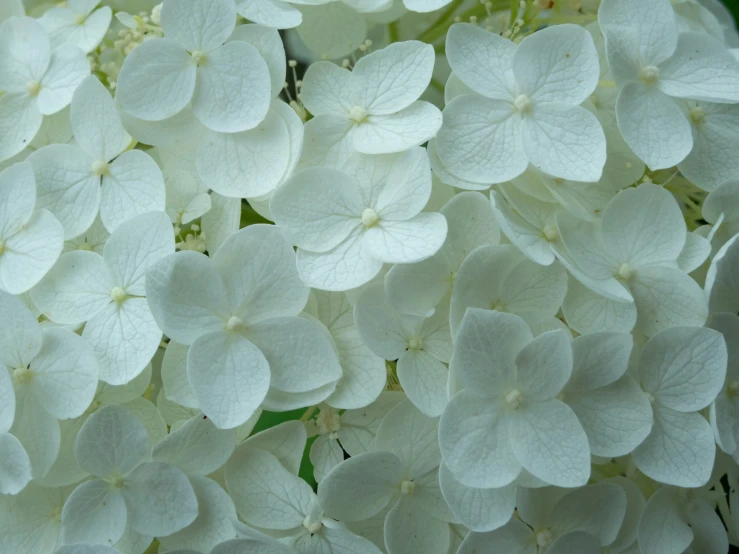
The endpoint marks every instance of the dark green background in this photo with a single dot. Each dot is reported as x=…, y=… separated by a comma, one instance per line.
x=733, y=6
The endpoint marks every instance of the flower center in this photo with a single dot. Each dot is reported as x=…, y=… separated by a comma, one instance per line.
x=199, y=57
x=407, y=487
x=99, y=168
x=312, y=525
x=649, y=74
x=651, y=398
x=118, y=482
x=22, y=375
x=358, y=114
x=415, y=343
x=80, y=19
x=733, y=388
x=234, y=323
x=523, y=104
x=2, y=246
x=369, y=217
x=544, y=538
x=33, y=87
x=551, y=233
x=56, y=513
x=625, y=272
x=118, y=294
x=697, y=115
x=84, y=246
x=328, y=421
x=514, y=399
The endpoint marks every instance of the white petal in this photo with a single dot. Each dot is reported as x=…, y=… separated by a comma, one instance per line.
x=63, y=27
x=75, y=289
x=111, y=441
x=96, y=123
x=186, y=296
x=394, y=76
x=250, y=163
x=68, y=68
x=7, y=400
x=197, y=448
x=565, y=141
x=515, y=537
x=333, y=30
x=575, y=541
x=372, y=476
x=25, y=53
x=589, y=312
x=479, y=509
x=65, y=374
x=94, y=513
x=559, y=64
x=643, y=226
x=480, y=140
x=666, y=297
x=485, y=350
x=220, y=221
x=232, y=92
x=474, y=442
x=482, y=60
x=266, y=39
x=527, y=237
x=597, y=509
x=328, y=89
x=424, y=380
x=199, y=25
x=684, y=367
x=157, y=80
x=30, y=253
x=653, y=126
x=20, y=341
x=134, y=186
x=395, y=132
x=38, y=432
x=599, y=360
x=266, y=494
x=616, y=418
x=174, y=375
x=213, y=524
x=285, y=440
x=662, y=528
x=229, y=376
x=544, y=365
x=66, y=187
x=27, y=522
x=382, y=328
x=124, y=338
x=408, y=186
x=65, y=470
x=345, y=267
x=549, y=442
x=407, y=241
x=274, y=13
x=328, y=141
x=325, y=454
x=679, y=451
x=15, y=467
x=409, y=529
x=176, y=506
x=20, y=121
x=358, y=427
x=318, y=207
x=17, y=198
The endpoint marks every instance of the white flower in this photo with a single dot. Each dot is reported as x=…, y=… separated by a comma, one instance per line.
x=54, y=374
x=402, y=475
x=374, y=109
x=724, y=410
x=15, y=467
x=347, y=223
x=507, y=416
x=79, y=24
x=237, y=311
x=113, y=446
x=187, y=197
x=75, y=181
x=681, y=371
x=418, y=288
x=108, y=293
x=228, y=84
x=529, y=109
x=30, y=239
x=631, y=255
x=653, y=63
x=93, y=239
x=37, y=81
x=721, y=286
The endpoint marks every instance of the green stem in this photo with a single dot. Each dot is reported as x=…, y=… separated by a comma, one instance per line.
x=438, y=85
x=436, y=32
x=392, y=31
x=442, y=17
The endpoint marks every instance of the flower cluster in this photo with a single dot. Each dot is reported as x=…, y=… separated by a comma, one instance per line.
x=369, y=276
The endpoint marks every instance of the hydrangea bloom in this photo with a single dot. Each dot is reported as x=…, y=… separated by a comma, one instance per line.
x=369, y=277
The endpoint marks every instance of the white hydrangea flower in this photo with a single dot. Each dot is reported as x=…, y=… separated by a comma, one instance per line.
x=100, y=174
x=721, y=287
x=373, y=109
x=15, y=466
x=54, y=374
x=499, y=277
x=421, y=346
x=681, y=371
x=31, y=239
x=228, y=84
x=347, y=223
x=526, y=109
x=36, y=80
x=237, y=311
x=93, y=239
x=187, y=197
x=97, y=511
x=631, y=257
x=723, y=414
x=418, y=288
x=119, y=325
x=652, y=64
x=77, y=23
x=400, y=478
x=272, y=13
x=507, y=416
